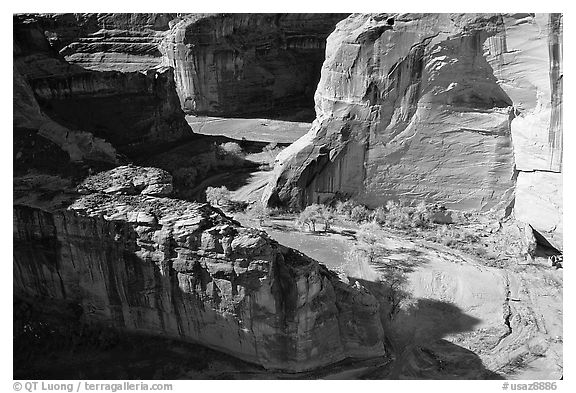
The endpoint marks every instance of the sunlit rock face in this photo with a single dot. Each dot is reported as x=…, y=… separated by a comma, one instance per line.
x=107, y=42
x=178, y=269
x=242, y=64
x=527, y=60
x=435, y=107
x=85, y=111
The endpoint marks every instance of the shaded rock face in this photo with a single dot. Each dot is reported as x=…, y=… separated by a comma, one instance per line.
x=247, y=64
x=432, y=107
x=133, y=111
x=33, y=128
x=178, y=269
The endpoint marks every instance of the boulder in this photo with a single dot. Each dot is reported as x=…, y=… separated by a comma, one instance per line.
x=130, y=180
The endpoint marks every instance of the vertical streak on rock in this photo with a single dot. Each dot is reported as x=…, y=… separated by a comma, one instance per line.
x=555, y=127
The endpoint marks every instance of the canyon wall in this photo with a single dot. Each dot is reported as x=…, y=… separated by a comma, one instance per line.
x=87, y=92
x=247, y=64
x=133, y=111
x=461, y=109
x=527, y=60
x=177, y=269
x=107, y=42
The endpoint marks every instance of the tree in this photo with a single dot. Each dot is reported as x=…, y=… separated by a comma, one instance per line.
x=260, y=212
x=395, y=282
x=379, y=215
x=327, y=216
x=232, y=148
x=271, y=150
x=360, y=213
x=368, y=241
x=344, y=208
x=310, y=216
x=391, y=273
x=218, y=196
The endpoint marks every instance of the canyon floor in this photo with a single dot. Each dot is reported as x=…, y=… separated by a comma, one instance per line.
x=461, y=318
x=261, y=130
x=150, y=243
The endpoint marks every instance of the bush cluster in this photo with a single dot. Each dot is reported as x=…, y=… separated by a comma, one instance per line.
x=394, y=214
x=316, y=214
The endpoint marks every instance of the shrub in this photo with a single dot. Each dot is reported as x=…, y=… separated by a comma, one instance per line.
x=360, y=213
x=368, y=233
x=236, y=206
x=310, y=216
x=344, y=208
x=421, y=215
x=327, y=216
x=379, y=215
x=260, y=212
x=271, y=150
x=218, y=196
x=399, y=216
x=232, y=149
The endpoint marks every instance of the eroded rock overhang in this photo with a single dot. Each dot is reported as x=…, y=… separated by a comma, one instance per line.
x=436, y=107
x=248, y=64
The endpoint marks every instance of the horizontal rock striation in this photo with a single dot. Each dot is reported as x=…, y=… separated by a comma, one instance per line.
x=107, y=42
x=133, y=111
x=179, y=269
x=246, y=64
x=433, y=107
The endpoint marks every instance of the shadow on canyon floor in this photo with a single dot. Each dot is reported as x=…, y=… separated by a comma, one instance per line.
x=416, y=330
x=52, y=340
x=197, y=163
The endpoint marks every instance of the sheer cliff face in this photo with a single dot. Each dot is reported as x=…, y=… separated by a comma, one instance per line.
x=177, y=269
x=527, y=60
x=431, y=107
x=246, y=64
x=86, y=112
x=117, y=246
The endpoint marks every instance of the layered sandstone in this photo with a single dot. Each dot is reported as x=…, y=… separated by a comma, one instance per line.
x=527, y=60
x=435, y=107
x=179, y=269
x=107, y=42
x=239, y=64
x=132, y=111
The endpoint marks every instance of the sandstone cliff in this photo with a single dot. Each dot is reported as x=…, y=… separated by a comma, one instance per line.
x=178, y=269
x=234, y=64
x=527, y=60
x=107, y=42
x=438, y=107
x=133, y=111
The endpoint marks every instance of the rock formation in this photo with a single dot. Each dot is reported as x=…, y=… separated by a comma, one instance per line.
x=107, y=42
x=460, y=110
x=179, y=269
x=238, y=64
x=133, y=111
x=436, y=107
x=527, y=60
